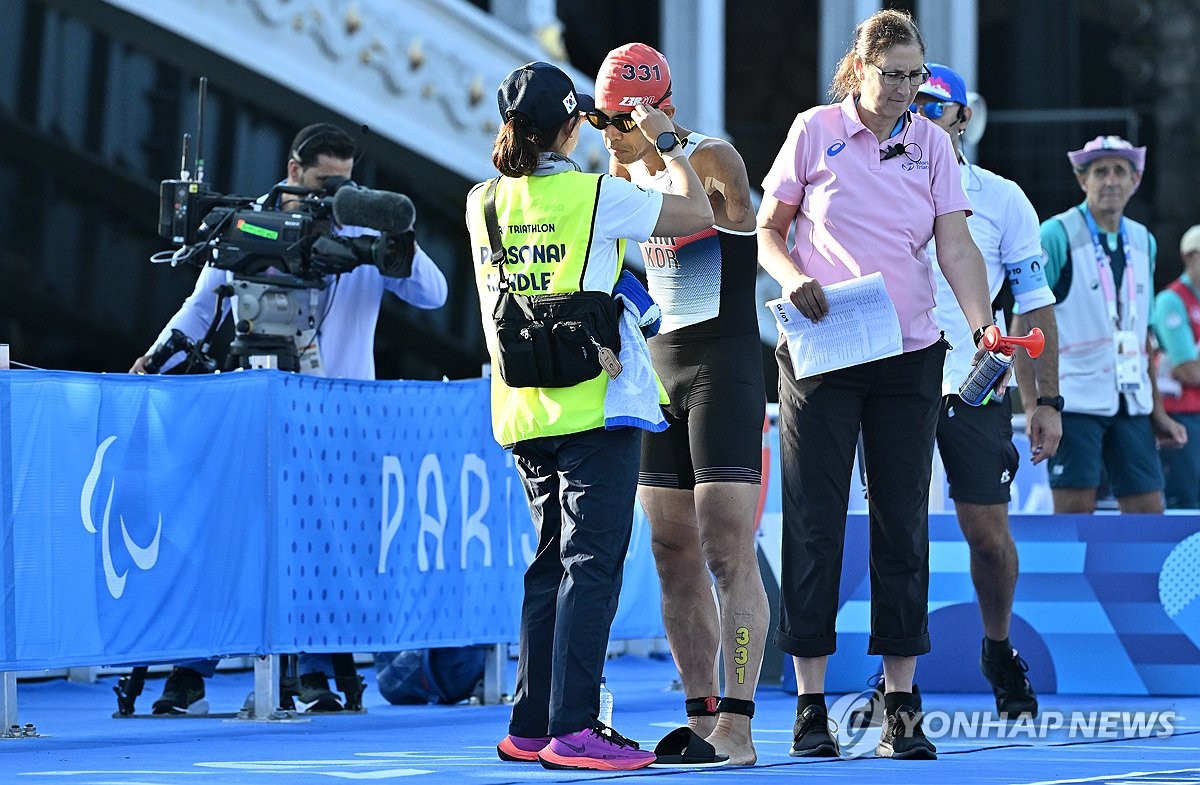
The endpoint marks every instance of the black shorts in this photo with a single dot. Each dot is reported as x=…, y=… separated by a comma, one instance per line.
x=718, y=403
x=976, y=444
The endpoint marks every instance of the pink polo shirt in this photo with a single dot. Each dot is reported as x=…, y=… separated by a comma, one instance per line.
x=858, y=215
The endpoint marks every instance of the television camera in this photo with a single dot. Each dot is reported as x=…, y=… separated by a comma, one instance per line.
x=257, y=236
x=279, y=250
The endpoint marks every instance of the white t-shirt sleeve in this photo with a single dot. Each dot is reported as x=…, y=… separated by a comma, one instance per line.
x=1021, y=252
x=626, y=211
x=1021, y=238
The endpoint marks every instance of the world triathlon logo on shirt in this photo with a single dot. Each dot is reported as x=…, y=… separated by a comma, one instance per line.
x=835, y=148
x=916, y=165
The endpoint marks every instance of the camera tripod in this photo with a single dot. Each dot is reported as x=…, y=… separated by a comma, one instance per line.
x=267, y=310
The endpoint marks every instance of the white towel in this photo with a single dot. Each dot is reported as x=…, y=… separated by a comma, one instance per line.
x=632, y=397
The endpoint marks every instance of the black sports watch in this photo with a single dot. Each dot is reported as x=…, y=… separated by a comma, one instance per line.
x=1053, y=401
x=667, y=141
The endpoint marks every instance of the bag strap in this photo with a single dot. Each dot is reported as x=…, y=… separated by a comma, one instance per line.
x=1190, y=303
x=493, y=229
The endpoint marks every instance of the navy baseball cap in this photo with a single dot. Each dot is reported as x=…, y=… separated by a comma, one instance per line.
x=944, y=84
x=543, y=93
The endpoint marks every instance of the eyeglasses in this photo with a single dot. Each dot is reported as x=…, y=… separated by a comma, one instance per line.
x=897, y=78
x=933, y=109
x=623, y=122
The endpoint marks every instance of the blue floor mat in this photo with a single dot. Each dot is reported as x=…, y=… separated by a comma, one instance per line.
x=83, y=745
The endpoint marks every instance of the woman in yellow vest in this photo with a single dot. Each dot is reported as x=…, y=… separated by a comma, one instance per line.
x=564, y=230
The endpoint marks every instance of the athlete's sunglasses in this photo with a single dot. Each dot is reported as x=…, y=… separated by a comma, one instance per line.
x=623, y=122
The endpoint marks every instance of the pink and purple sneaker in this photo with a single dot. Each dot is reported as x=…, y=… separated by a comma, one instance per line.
x=594, y=749
x=521, y=748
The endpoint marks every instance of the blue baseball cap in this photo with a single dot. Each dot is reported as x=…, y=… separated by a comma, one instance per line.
x=944, y=84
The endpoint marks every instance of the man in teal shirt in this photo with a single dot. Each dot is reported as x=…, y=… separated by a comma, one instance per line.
x=1100, y=266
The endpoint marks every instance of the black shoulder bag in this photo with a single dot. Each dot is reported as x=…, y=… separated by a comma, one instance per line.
x=550, y=340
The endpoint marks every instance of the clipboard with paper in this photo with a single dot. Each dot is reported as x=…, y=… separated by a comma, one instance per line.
x=861, y=326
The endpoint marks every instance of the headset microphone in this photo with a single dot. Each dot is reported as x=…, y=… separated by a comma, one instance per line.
x=892, y=152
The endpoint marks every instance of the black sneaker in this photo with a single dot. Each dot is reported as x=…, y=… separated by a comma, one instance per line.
x=184, y=688
x=810, y=735
x=314, y=694
x=903, y=737
x=1014, y=694
x=871, y=713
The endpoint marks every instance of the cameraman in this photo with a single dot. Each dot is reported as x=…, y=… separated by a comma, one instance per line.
x=348, y=308
x=346, y=312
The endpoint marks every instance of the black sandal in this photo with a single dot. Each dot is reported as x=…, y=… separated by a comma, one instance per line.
x=683, y=749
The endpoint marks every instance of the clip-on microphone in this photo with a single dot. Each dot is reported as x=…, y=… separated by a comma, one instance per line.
x=892, y=152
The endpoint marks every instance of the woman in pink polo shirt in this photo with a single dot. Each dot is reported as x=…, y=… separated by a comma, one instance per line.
x=865, y=184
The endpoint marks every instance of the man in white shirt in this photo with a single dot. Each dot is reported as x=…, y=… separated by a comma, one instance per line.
x=335, y=338
x=347, y=309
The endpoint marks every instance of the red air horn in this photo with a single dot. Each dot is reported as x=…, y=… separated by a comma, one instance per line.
x=1033, y=343
x=977, y=389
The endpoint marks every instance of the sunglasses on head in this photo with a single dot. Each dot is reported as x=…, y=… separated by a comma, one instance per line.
x=623, y=122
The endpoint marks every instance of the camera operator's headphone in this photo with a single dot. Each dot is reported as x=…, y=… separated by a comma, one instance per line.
x=298, y=151
x=318, y=130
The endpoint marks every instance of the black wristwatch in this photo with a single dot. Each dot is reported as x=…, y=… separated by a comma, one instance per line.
x=667, y=141
x=1053, y=401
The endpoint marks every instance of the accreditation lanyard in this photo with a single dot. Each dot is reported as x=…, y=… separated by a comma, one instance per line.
x=1104, y=268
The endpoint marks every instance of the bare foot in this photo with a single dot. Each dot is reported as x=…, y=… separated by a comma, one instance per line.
x=732, y=737
x=702, y=726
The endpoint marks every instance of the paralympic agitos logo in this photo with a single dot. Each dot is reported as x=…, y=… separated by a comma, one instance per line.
x=143, y=557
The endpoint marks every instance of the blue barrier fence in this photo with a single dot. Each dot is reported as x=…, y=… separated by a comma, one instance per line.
x=157, y=518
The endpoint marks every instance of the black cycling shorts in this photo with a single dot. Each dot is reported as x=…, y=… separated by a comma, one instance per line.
x=718, y=403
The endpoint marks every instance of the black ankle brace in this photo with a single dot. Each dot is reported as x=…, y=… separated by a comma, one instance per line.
x=736, y=706
x=701, y=707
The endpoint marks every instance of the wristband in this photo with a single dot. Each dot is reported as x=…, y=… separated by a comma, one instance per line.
x=978, y=335
x=672, y=154
x=1053, y=401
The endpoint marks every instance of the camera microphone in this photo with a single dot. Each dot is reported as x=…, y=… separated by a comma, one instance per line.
x=381, y=210
x=892, y=152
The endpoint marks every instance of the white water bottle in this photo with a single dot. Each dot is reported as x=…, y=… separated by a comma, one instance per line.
x=606, y=704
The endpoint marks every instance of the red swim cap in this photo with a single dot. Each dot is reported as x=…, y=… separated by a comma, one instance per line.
x=633, y=74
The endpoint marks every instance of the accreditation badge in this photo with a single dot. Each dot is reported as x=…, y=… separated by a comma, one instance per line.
x=1131, y=371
